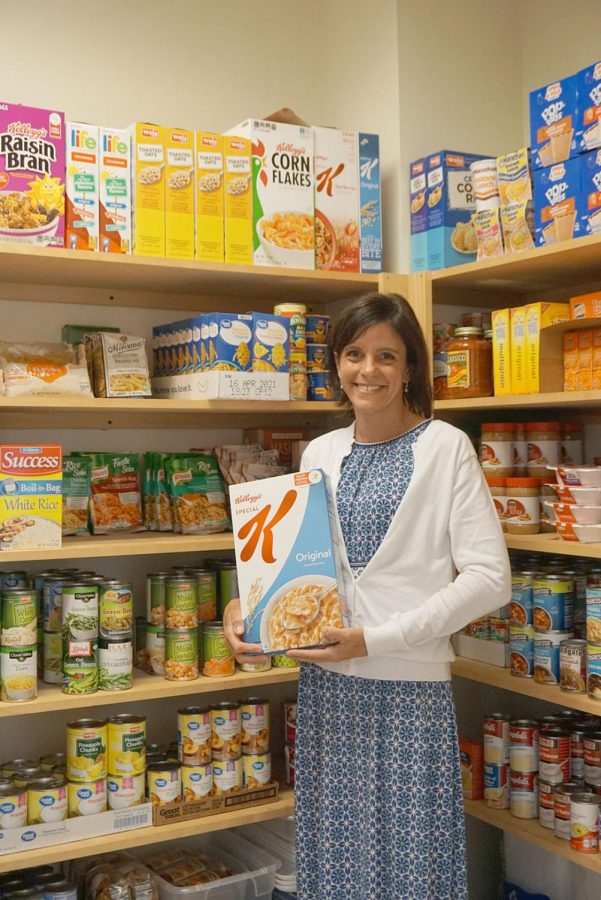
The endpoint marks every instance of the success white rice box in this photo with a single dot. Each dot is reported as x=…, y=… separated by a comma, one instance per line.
x=288, y=560
x=30, y=497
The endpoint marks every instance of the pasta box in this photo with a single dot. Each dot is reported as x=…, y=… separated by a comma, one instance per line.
x=450, y=202
x=227, y=341
x=288, y=559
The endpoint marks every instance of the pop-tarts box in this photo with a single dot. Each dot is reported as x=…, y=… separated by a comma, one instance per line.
x=228, y=341
x=370, y=202
x=558, y=202
x=288, y=556
x=418, y=215
x=270, y=348
x=588, y=122
x=553, y=114
x=590, y=173
x=450, y=204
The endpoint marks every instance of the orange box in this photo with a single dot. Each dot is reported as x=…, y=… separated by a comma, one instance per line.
x=596, y=380
x=585, y=359
x=472, y=769
x=570, y=361
x=586, y=306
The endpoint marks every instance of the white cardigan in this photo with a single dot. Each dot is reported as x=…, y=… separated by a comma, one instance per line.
x=409, y=598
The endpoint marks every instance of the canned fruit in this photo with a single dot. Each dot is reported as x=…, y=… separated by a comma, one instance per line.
x=225, y=731
x=124, y=791
x=254, y=717
x=115, y=666
x=19, y=617
x=18, y=673
x=50, y=760
x=86, y=749
x=181, y=603
x=46, y=801
x=256, y=770
x=79, y=611
x=217, y=655
x=126, y=739
x=194, y=736
x=197, y=781
x=87, y=798
x=227, y=776
x=116, y=609
x=164, y=783
x=181, y=655
x=13, y=808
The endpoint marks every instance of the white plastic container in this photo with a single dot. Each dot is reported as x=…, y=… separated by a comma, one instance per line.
x=582, y=515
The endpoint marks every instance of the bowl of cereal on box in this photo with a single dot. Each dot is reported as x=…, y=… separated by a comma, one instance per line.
x=464, y=238
x=298, y=611
x=325, y=241
x=24, y=222
x=288, y=238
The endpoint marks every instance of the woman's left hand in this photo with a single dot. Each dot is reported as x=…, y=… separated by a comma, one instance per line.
x=346, y=643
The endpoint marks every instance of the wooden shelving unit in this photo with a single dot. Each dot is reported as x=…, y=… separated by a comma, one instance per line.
x=562, y=401
x=143, y=544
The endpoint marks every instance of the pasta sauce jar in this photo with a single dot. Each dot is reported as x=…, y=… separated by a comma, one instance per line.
x=469, y=359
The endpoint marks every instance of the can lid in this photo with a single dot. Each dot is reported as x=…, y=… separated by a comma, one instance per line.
x=54, y=781
x=125, y=719
x=193, y=710
x=543, y=426
x=87, y=723
x=6, y=790
x=225, y=705
x=586, y=798
x=254, y=701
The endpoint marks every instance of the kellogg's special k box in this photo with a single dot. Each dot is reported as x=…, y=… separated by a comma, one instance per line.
x=32, y=175
x=337, y=235
x=370, y=202
x=288, y=560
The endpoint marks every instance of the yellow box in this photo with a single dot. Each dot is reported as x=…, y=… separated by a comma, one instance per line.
x=210, y=237
x=31, y=496
x=148, y=188
x=596, y=381
x=501, y=351
x=540, y=315
x=179, y=193
x=237, y=153
x=570, y=361
x=585, y=359
x=519, y=351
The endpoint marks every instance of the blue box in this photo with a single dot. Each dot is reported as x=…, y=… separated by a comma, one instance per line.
x=451, y=202
x=590, y=174
x=370, y=202
x=270, y=344
x=228, y=342
x=418, y=215
x=588, y=123
x=558, y=202
x=553, y=116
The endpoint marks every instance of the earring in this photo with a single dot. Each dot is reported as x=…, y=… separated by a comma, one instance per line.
x=406, y=387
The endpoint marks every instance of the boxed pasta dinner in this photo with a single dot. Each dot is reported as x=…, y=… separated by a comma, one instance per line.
x=287, y=547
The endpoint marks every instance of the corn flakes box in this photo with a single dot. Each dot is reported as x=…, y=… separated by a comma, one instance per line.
x=558, y=202
x=337, y=235
x=370, y=202
x=115, y=191
x=210, y=237
x=290, y=580
x=30, y=497
x=270, y=346
x=553, y=113
x=32, y=175
x=148, y=188
x=238, y=199
x=451, y=203
x=228, y=342
x=282, y=186
x=418, y=215
x=588, y=118
x=82, y=213
x=179, y=193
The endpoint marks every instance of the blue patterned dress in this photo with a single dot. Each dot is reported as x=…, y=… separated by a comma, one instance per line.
x=378, y=787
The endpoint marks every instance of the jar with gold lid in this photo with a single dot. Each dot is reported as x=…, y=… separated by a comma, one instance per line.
x=469, y=358
x=543, y=447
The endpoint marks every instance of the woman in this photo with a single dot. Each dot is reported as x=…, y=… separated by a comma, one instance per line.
x=378, y=789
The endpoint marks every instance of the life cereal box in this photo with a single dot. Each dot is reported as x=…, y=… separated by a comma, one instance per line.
x=81, y=231
x=148, y=188
x=282, y=184
x=370, y=202
x=179, y=193
x=115, y=191
x=209, y=196
x=287, y=556
x=30, y=497
x=32, y=175
x=337, y=234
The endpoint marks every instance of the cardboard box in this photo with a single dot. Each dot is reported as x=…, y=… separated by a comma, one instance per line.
x=586, y=306
x=183, y=810
x=501, y=351
x=179, y=193
x=30, y=493
x=451, y=203
x=553, y=116
x=540, y=315
x=519, y=352
x=115, y=191
x=229, y=340
x=370, y=202
x=588, y=121
x=82, y=187
x=418, y=215
x=148, y=188
x=472, y=768
x=596, y=383
x=210, y=237
x=223, y=386
x=282, y=440
x=270, y=346
x=336, y=200
x=238, y=205
x=570, y=361
x=585, y=359
x=558, y=202
x=493, y=652
x=32, y=165
x=590, y=174
x=514, y=176
x=287, y=548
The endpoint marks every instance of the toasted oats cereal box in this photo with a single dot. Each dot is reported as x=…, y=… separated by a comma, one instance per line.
x=227, y=346
x=270, y=346
x=30, y=497
x=418, y=213
x=553, y=110
x=238, y=199
x=558, y=202
x=588, y=119
x=32, y=175
x=179, y=193
x=282, y=184
x=209, y=196
x=590, y=174
x=370, y=202
x=451, y=202
x=81, y=226
x=148, y=188
x=115, y=191
x=337, y=232
x=287, y=556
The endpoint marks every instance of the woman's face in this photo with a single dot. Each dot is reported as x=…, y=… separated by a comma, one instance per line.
x=373, y=369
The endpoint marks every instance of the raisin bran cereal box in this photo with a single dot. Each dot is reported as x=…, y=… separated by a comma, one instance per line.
x=32, y=175
x=337, y=233
x=81, y=228
x=288, y=560
x=30, y=497
x=115, y=191
x=370, y=202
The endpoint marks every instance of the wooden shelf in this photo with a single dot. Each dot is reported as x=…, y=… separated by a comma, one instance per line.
x=559, y=400
x=143, y=544
x=550, y=543
x=146, y=687
x=142, y=837
x=530, y=830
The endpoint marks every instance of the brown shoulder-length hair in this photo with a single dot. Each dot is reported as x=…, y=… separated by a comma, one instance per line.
x=373, y=309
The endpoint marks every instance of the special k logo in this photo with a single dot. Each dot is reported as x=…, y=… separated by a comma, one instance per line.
x=259, y=529
x=326, y=179
x=553, y=91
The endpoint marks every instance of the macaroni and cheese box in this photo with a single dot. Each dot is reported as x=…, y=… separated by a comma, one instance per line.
x=148, y=188
x=450, y=204
x=228, y=341
x=288, y=560
x=519, y=353
x=270, y=346
x=82, y=212
x=590, y=173
x=418, y=215
x=570, y=361
x=238, y=199
x=336, y=200
x=553, y=113
x=596, y=379
x=30, y=497
x=585, y=359
x=115, y=191
x=558, y=202
x=209, y=197
x=501, y=351
x=282, y=186
x=179, y=193
x=586, y=306
x=32, y=175
x=370, y=202
x=540, y=315
x=588, y=121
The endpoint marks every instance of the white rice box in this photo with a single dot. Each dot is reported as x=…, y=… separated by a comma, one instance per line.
x=30, y=497
x=291, y=583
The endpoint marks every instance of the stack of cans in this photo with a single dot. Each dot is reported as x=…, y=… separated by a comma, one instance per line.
x=320, y=385
x=18, y=639
x=290, y=738
x=296, y=313
x=495, y=729
x=523, y=768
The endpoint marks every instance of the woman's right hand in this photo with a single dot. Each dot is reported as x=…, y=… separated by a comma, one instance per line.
x=233, y=628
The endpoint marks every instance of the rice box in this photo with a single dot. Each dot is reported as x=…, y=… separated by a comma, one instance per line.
x=115, y=191
x=558, y=202
x=588, y=119
x=336, y=200
x=590, y=174
x=451, y=203
x=81, y=230
x=370, y=203
x=148, y=188
x=418, y=214
x=287, y=556
x=553, y=112
x=32, y=175
x=30, y=497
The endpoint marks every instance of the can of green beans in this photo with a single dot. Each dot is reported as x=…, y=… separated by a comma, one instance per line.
x=52, y=668
x=80, y=611
x=115, y=665
x=80, y=667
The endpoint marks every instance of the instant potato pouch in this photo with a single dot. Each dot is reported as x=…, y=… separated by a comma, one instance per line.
x=288, y=553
